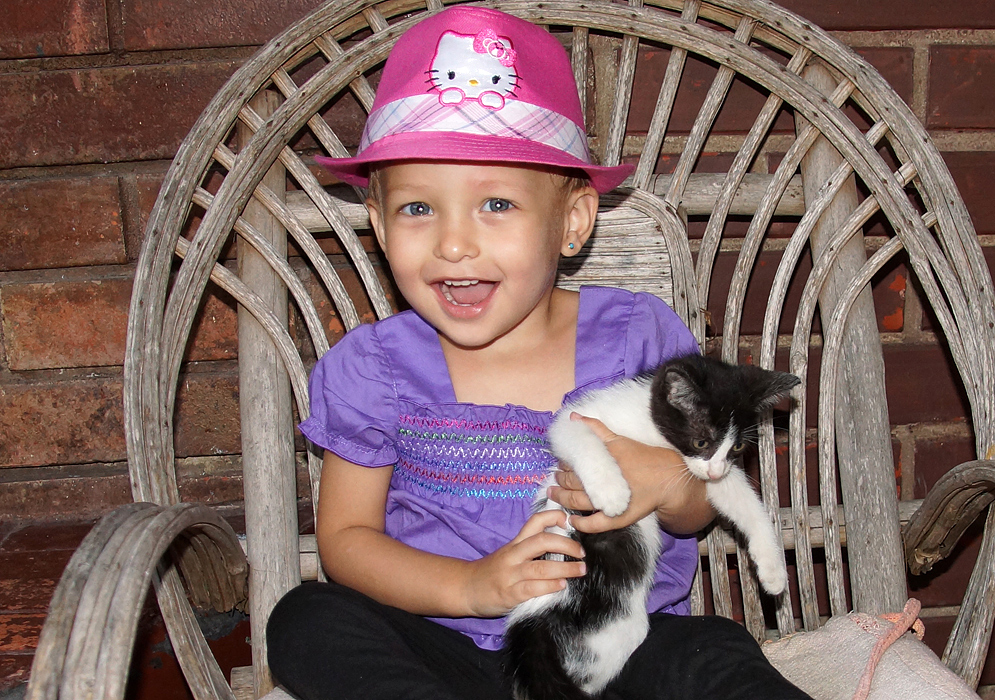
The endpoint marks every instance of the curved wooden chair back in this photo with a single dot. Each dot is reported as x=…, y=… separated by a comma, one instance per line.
x=826, y=150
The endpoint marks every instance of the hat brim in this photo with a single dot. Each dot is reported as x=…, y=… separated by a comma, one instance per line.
x=475, y=148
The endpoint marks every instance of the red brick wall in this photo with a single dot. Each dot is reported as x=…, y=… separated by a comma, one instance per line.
x=95, y=96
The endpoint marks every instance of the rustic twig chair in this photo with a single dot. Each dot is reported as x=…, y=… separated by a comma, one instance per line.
x=853, y=152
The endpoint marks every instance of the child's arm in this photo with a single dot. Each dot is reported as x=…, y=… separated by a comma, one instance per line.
x=659, y=482
x=357, y=553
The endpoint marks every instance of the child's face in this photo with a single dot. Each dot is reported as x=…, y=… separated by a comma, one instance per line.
x=474, y=248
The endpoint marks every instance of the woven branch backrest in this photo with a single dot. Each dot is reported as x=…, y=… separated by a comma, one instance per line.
x=269, y=118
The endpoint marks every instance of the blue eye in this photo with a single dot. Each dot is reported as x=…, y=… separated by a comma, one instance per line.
x=498, y=205
x=416, y=209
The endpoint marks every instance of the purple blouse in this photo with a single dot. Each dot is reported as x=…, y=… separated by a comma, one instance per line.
x=465, y=475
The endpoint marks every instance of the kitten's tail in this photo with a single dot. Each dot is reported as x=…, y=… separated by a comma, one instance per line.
x=534, y=663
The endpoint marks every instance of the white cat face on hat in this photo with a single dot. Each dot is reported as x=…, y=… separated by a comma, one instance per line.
x=479, y=68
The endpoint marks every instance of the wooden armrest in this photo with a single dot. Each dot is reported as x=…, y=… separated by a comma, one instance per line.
x=950, y=507
x=86, y=643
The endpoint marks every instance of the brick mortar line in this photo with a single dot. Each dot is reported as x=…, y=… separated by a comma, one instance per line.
x=4, y=361
x=131, y=214
x=85, y=273
x=912, y=313
x=888, y=338
x=90, y=170
x=127, y=59
x=920, y=83
x=930, y=431
x=188, y=468
x=21, y=378
x=114, y=13
x=964, y=140
x=903, y=434
x=11, y=476
x=904, y=38
x=27, y=377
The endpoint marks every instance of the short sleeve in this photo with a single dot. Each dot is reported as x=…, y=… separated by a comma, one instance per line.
x=655, y=334
x=353, y=401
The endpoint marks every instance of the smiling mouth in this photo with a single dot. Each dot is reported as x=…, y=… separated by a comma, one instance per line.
x=465, y=292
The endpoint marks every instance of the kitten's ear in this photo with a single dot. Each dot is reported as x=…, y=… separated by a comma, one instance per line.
x=682, y=392
x=770, y=387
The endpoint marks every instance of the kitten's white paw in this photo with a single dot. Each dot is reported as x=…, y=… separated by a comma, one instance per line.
x=611, y=497
x=773, y=576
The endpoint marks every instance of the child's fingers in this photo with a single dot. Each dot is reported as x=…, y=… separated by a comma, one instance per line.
x=597, y=522
x=597, y=427
x=537, y=587
x=567, y=478
x=545, y=570
x=548, y=543
x=569, y=498
x=539, y=522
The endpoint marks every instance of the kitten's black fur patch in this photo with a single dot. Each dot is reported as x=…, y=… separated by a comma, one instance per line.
x=616, y=560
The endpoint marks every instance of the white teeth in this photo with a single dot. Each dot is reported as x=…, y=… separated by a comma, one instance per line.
x=460, y=283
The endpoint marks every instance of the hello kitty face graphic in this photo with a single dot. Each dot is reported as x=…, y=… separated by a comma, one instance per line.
x=478, y=68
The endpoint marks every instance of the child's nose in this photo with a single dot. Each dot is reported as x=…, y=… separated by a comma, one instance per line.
x=456, y=241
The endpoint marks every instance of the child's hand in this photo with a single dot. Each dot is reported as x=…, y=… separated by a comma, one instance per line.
x=657, y=477
x=512, y=574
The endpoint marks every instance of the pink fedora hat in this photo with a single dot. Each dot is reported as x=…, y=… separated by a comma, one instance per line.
x=474, y=84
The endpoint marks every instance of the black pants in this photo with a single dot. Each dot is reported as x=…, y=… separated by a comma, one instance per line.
x=328, y=641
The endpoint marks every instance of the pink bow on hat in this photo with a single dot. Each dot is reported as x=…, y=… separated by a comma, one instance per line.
x=487, y=41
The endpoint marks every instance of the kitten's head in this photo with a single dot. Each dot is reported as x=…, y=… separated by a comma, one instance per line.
x=709, y=410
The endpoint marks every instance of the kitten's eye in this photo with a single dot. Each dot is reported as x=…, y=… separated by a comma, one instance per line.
x=699, y=444
x=452, y=75
x=495, y=79
x=497, y=206
x=738, y=447
x=416, y=209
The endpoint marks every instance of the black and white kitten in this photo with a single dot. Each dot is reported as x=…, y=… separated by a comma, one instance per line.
x=572, y=643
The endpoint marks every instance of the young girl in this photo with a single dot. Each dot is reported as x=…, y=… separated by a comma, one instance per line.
x=433, y=421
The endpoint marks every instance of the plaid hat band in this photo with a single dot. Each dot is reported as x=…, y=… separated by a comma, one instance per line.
x=517, y=119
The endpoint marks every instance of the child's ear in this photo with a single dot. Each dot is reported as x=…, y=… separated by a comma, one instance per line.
x=376, y=221
x=581, y=209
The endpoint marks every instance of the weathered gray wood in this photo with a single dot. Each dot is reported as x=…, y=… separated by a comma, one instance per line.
x=117, y=562
x=53, y=641
x=344, y=305
x=578, y=61
x=718, y=572
x=866, y=466
x=705, y=119
x=664, y=106
x=730, y=342
x=623, y=96
x=267, y=426
x=953, y=503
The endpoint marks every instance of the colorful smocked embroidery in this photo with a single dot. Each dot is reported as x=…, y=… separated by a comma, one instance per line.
x=475, y=459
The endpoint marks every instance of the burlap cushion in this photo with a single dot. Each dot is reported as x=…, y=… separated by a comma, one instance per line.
x=828, y=663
